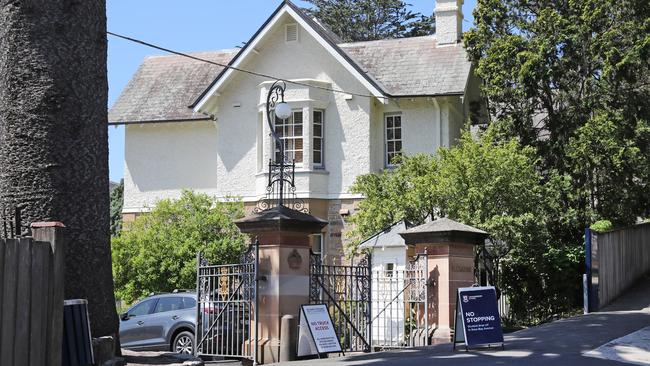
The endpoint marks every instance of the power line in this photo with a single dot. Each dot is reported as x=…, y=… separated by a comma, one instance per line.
x=144, y=43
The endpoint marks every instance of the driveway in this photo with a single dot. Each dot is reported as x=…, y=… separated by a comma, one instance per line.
x=134, y=358
x=563, y=342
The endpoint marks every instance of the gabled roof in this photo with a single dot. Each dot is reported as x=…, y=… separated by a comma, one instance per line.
x=321, y=35
x=164, y=87
x=413, y=66
x=388, y=237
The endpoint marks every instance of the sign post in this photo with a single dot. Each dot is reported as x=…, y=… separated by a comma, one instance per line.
x=477, y=317
x=317, y=335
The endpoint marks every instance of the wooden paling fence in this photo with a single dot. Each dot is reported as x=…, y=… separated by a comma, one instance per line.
x=31, y=297
x=618, y=259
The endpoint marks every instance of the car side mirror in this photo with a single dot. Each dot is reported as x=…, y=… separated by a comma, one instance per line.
x=126, y=316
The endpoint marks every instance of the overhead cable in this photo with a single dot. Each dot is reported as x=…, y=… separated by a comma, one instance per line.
x=255, y=73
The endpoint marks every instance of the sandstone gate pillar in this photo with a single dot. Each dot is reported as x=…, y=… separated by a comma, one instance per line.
x=283, y=236
x=450, y=248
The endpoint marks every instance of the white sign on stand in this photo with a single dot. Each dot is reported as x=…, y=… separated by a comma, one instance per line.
x=317, y=335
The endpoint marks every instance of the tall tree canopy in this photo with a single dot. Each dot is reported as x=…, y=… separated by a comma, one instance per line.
x=367, y=20
x=572, y=79
x=54, y=136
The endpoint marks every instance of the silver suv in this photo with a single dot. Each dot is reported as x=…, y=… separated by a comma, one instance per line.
x=160, y=322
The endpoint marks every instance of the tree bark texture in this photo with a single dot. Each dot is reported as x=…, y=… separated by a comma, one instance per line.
x=54, y=138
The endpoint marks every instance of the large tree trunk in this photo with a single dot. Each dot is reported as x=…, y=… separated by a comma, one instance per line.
x=54, y=138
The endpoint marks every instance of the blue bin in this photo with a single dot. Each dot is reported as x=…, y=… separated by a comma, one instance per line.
x=77, y=341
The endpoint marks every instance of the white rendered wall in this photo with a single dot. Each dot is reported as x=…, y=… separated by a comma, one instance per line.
x=347, y=142
x=163, y=159
x=229, y=157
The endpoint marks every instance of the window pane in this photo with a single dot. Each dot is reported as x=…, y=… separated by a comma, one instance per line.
x=317, y=144
x=298, y=131
x=142, y=308
x=389, y=134
x=391, y=146
x=169, y=304
x=297, y=144
x=318, y=116
x=298, y=156
x=390, y=158
x=389, y=122
x=317, y=157
x=297, y=117
x=398, y=145
x=189, y=302
x=398, y=134
x=398, y=121
x=318, y=130
x=317, y=246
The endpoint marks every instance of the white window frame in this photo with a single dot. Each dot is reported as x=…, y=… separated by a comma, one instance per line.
x=289, y=150
x=393, y=139
x=389, y=269
x=321, y=164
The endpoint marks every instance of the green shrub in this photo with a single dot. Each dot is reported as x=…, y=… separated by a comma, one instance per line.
x=157, y=252
x=602, y=225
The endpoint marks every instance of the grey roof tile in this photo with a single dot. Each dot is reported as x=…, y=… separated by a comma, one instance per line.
x=387, y=238
x=164, y=87
x=413, y=66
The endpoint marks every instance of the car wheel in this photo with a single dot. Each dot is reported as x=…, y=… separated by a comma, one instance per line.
x=184, y=343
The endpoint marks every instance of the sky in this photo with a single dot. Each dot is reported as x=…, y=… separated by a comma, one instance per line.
x=188, y=26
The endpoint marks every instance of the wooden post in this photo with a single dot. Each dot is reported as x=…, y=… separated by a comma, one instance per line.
x=53, y=233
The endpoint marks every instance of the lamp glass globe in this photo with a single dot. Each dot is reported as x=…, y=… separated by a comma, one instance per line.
x=282, y=110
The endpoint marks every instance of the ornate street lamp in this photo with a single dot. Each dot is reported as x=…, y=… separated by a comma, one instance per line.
x=280, y=172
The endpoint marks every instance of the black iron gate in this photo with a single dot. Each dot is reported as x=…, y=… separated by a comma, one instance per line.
x=226, y=314
x=346, y=292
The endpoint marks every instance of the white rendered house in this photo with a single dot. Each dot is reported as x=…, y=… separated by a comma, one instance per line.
x=195, y=125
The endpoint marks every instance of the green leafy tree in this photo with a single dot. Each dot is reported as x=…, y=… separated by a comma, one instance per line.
x=117, y=202
x=572, y=80
x=158, y=251
x=492, y=184
x=367, y=20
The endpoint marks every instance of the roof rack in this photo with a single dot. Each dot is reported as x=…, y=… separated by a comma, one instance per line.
x=157, y=293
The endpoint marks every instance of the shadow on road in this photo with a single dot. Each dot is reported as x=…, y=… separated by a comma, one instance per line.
x=558, y=343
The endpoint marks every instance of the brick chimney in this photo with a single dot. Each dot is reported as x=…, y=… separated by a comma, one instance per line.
x=449, y=21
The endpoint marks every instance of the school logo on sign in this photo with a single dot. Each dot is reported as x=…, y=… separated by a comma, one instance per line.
x=465, y=298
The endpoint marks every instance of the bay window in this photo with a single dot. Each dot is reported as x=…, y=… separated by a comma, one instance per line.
x=290, y=133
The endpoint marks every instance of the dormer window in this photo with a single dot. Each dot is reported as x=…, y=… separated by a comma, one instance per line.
x=291, y=33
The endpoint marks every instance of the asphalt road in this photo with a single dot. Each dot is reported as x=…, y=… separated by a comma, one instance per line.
x=562, y=342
